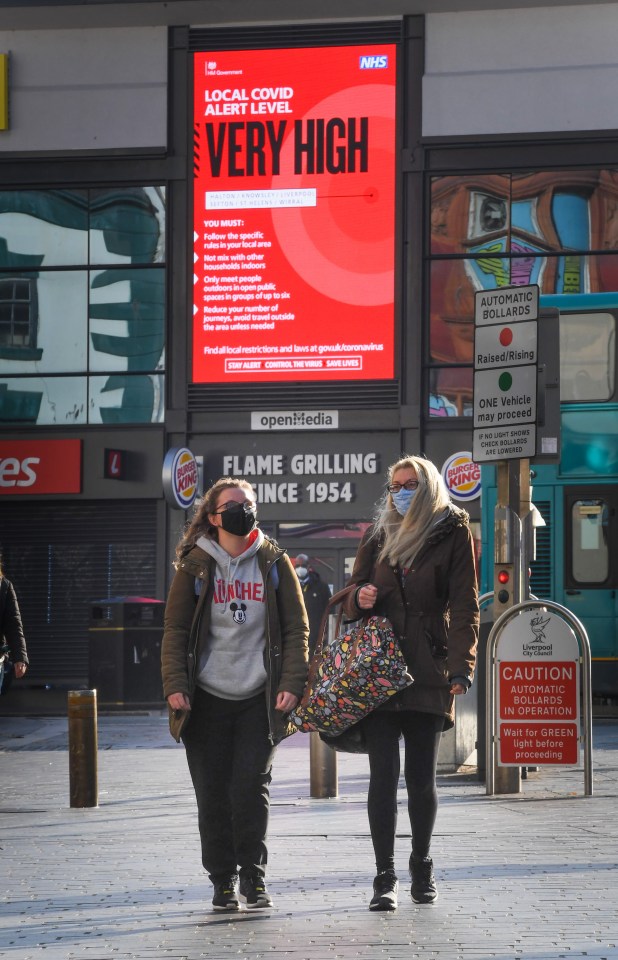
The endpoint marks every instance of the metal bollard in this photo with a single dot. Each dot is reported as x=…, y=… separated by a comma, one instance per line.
x=323, y=768
x=83, y=781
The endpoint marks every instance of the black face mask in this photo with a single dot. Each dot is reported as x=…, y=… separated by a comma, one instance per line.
x=239, y=520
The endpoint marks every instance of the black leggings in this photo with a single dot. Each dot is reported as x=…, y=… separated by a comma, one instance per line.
x=421, y=734
x=230, y=757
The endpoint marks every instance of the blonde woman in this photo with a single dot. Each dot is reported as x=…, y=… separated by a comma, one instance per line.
x=416, y=566
x=234, y=663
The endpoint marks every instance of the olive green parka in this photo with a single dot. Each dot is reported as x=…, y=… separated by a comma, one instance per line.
x=187, y=615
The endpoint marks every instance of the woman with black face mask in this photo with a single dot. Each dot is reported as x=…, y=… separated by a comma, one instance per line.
x=234, y=662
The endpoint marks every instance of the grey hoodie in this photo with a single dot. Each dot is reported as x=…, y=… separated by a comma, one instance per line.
x=232, y=664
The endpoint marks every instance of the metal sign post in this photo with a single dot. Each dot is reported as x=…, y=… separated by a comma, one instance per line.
x=538, y=659
x=516, y=351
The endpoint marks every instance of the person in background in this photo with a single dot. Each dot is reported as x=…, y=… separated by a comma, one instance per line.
x=13, y=653
x=316, y=595
x=416, y=566
x=234, y=664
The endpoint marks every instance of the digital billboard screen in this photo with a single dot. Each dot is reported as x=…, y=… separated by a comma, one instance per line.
x=294, y=214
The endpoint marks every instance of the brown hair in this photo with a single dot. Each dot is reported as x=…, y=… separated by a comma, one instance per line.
x=200, y=525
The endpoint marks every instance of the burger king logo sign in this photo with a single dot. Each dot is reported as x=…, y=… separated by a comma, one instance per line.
x=462, y=476
x=180, y=477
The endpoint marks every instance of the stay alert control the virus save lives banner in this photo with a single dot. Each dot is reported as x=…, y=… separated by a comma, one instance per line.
x=294, y=214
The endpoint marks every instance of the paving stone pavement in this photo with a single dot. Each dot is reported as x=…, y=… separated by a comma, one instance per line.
x=530, y=875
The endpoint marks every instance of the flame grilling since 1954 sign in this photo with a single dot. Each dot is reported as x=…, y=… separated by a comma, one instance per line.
x=180, y=477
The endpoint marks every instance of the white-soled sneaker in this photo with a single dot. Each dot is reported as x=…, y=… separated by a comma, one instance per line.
x=253, y=892
x=385, y=887
x=226, y=894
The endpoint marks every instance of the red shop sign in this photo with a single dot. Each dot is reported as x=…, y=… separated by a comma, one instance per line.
x=40, y=466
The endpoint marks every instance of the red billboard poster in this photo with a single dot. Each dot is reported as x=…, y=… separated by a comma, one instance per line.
x=294, y=214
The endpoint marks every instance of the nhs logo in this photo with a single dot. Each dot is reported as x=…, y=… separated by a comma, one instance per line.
x=368, y=62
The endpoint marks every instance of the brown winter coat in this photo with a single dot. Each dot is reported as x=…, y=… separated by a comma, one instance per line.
x=186, y=626
x=435, y=613
x=11, y=629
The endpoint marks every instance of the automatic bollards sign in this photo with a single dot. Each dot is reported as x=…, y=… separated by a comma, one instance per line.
x=538, y=691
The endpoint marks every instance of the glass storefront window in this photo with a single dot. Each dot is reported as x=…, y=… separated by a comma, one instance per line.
x=450, y=392
x=61, y=401
x=467, y=210
x=127, y=319
x=127, y=225
x=560, y=210
x=126, y=398
x=46, y=228
x=556, y=229
x=54, y=322
x=58, y=320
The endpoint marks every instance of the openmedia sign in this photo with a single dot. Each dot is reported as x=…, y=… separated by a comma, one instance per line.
x=295, y=419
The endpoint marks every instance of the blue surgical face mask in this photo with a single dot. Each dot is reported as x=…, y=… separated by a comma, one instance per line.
x=402, y=500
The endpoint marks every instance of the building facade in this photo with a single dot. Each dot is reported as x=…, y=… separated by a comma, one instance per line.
x=257, y=234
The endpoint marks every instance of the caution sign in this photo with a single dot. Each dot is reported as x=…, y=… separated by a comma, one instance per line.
x=538, y=691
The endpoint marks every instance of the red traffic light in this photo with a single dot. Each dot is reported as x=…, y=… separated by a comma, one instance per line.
x=504, y=576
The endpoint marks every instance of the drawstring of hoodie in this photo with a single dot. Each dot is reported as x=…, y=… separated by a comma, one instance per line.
x=229, y=578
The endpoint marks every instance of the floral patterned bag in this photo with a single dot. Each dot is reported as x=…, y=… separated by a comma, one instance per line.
x=351, y=675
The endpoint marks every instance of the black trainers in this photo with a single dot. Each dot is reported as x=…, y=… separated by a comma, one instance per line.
x=423, y=889
x=253, y=892
x=385, y=888
x=226, y=894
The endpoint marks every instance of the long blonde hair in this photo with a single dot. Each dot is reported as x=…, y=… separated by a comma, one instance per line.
x=403, y=537
x=200, y=524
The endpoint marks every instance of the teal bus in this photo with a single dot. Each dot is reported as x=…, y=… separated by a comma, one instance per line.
x=577, y=550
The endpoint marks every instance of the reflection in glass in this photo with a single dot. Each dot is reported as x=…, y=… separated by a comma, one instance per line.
x=127, y=398
x=55, y=318
x=555, y=210
x=468, y=209
x=590, y=558
x=43, y=400
x=47, y=225
x=592, y=280
x=450, y=393
x=127, y=319
x=45, y=313
x=127, y=225
x=19, y=318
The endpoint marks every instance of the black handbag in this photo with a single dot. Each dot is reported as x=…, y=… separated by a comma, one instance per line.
x=351, y=740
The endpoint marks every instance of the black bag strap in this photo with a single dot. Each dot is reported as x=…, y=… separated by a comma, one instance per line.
x=316, y=659
x=334, y=601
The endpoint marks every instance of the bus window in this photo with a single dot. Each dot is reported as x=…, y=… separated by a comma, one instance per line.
x=587, y=348
x=590, y=549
